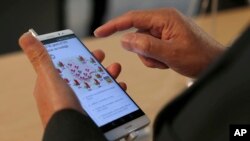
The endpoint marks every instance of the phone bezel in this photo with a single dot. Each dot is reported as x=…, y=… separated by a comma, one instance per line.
x=118, y=131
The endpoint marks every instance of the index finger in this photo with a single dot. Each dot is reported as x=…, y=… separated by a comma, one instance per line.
x=138, y=19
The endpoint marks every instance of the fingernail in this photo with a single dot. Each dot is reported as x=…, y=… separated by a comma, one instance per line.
x=96, y=32
x=126, y=41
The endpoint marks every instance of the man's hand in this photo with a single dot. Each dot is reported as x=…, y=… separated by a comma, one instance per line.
x=165, y=38
x=51, y=92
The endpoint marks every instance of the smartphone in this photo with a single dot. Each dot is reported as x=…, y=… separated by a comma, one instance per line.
x=100, y=96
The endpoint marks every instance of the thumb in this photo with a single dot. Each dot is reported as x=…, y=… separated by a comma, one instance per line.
x=145, y=45
x=36, y=53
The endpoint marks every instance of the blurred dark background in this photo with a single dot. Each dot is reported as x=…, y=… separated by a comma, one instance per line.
x=82, y=16
x=17, y=16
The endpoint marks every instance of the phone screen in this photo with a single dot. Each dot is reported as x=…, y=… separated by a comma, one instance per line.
x=99, y=94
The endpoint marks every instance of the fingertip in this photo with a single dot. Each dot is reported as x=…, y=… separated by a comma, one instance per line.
x=30, y=44
x=114, y=69
x=117, y=67
x=97, y=32
x=26, y=39
x=103, y=31
x=106, y=29
x=36, y=52
x=123, y=85
x=99, y=54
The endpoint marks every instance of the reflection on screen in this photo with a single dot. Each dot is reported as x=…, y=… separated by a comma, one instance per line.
x=99, y=95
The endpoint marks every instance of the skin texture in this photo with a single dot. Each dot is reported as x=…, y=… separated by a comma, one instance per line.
x=165, y=39
x=51, y=92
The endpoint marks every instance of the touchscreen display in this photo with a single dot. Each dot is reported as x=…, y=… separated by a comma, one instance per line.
x=100, y=96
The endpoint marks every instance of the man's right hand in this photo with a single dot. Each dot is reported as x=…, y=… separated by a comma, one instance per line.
x=165, y=39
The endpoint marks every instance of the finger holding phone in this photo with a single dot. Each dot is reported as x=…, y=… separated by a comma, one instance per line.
x=92, y=89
